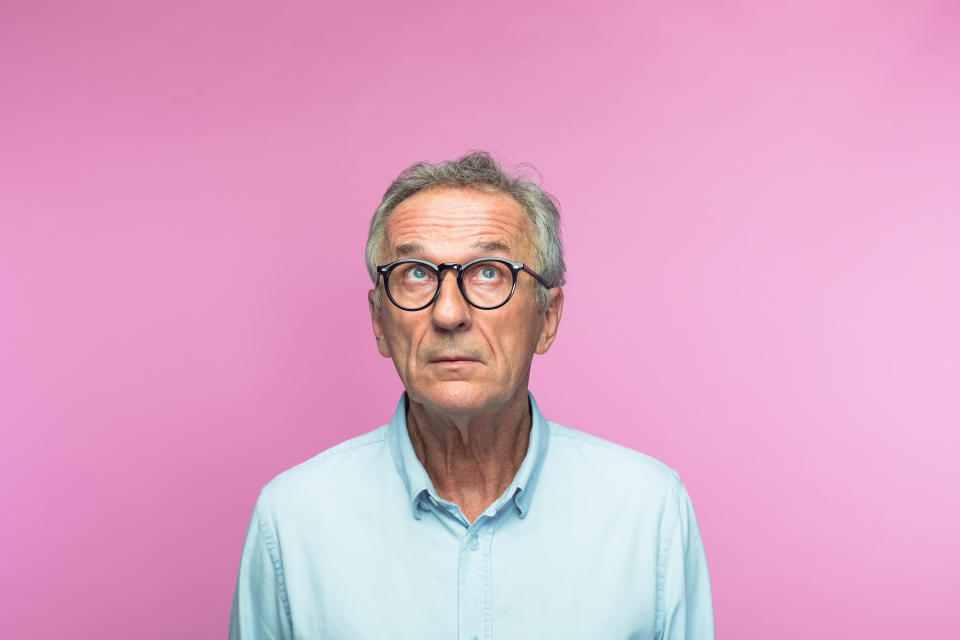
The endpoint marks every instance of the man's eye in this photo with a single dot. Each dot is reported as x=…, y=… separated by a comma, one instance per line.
x=416, y=274
x=488, y=273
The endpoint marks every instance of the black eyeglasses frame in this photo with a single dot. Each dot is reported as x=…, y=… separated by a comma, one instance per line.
x=515, y=268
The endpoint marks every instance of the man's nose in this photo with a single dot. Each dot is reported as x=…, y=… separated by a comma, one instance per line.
x=450, y=310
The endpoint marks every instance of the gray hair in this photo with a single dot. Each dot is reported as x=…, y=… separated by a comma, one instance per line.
x=478, y=170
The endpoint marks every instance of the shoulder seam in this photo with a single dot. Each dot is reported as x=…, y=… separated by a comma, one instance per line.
x=341, y=448
x=671, y=524
x=270, y=544
x=592, y=440
x=600, y=443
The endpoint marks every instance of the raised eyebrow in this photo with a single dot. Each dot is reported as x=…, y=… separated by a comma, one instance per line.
x=492, y=246
x=409, y=249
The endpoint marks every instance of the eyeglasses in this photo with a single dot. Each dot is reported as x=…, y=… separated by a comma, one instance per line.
x=486, y=283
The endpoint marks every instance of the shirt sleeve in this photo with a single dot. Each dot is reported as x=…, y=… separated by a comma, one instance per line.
x=260, y=609
x=687, y=601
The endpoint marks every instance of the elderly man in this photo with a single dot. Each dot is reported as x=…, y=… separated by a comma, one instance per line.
x=470, y=515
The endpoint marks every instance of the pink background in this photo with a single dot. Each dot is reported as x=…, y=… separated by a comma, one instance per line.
x=762, y=215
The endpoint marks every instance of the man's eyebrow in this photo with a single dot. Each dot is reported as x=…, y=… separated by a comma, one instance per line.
x=409, y=249
x=492, y=246
x=486, y=246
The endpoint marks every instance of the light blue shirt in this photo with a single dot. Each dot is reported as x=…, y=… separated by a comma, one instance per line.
x=590, y=541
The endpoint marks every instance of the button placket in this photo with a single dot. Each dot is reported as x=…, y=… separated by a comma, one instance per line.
x=474, y=581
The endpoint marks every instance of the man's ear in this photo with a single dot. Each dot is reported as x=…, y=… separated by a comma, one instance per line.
x=382, y=346
x=551, y=321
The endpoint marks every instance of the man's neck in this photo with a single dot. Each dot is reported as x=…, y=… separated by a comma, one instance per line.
x=471, y=460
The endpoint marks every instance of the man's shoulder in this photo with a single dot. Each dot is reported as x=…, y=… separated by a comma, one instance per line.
x=338, y=468
x=605, y=459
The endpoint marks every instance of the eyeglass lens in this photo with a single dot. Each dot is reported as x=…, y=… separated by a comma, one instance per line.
x=485, y=284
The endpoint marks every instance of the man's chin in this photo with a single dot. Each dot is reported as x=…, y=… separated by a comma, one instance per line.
x=454, y=397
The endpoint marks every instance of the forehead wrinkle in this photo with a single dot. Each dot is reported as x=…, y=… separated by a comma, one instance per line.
x=486, y=247
x=411, y=235
x=459, y=222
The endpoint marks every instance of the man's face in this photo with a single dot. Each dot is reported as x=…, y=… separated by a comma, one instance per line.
x=452, y=357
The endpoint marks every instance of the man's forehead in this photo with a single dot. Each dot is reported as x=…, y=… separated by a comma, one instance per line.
x=487, y=222
x=487, y=247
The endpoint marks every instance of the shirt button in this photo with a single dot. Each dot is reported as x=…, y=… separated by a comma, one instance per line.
x=474, y=543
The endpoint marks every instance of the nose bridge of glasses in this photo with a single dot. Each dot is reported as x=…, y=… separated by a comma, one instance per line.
x=453, y=266
x=454, y=295
x=457, y=270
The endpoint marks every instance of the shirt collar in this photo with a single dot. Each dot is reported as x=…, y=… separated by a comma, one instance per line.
x=418, y=483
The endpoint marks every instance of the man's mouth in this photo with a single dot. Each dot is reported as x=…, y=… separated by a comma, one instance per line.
x=454, y=358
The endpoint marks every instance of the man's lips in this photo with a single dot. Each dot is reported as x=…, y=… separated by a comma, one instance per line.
x=453, y=358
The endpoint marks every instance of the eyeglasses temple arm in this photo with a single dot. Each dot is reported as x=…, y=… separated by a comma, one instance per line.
x=535, y=275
